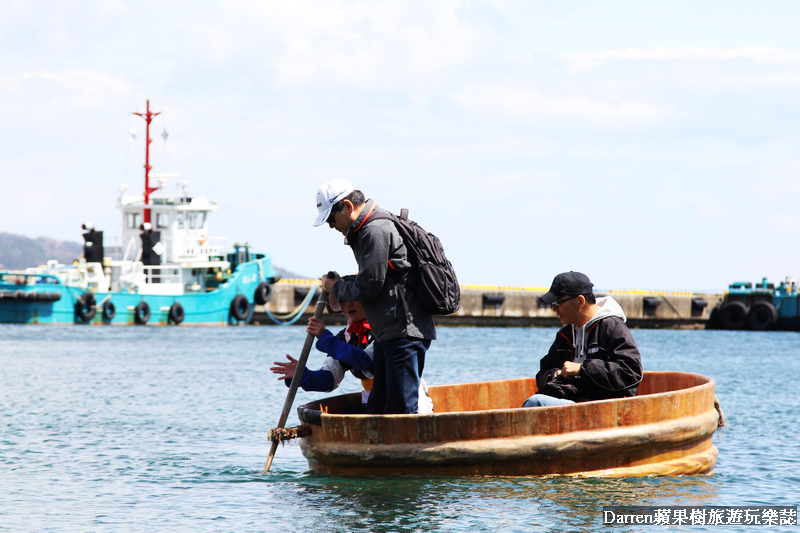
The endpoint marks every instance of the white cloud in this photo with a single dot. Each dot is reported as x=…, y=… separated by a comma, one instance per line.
x=789, y=221
x=757, y=53
x=524, y=104
x=81, y=89
x=362, y=44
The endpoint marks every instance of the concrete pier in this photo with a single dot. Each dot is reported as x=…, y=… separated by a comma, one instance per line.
x=490, y=305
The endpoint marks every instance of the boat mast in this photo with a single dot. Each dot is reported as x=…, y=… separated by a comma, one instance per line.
x=148, y=117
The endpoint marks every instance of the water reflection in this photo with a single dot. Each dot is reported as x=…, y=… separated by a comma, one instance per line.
x=346, y=504
x=478, y=504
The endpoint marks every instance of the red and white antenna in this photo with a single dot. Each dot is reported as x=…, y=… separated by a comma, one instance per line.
x=148, y=118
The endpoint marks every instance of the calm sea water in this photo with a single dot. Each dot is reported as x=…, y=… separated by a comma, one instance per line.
x=164, y=429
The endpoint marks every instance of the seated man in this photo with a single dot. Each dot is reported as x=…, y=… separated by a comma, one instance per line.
x=594, y=356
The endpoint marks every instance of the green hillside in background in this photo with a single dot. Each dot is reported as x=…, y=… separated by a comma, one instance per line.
x=19, y=252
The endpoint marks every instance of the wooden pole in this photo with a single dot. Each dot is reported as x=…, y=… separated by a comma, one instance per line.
x=298, y=373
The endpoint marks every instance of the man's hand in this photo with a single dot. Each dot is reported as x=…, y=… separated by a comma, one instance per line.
x=328, y=283
x=285, y=369
x=334, y=304
x=315, y=326
x=569, y=370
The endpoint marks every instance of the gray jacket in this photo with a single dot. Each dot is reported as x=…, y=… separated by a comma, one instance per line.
x=392, y=311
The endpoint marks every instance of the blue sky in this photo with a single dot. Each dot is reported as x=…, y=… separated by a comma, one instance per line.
x=650, y=145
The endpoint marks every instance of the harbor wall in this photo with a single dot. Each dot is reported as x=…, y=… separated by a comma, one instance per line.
x=490, y=305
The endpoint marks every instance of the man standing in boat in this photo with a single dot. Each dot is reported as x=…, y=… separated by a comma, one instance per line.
x=403, y=329
x=594, y=356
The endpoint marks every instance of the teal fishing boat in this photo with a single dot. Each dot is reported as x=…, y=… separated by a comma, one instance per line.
x=171, y=271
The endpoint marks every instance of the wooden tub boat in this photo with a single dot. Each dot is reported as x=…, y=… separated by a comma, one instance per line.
x=479, y=429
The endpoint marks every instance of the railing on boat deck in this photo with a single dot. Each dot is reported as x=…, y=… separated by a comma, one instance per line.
x=179, y=249
x=67, y=276
x=159, y=274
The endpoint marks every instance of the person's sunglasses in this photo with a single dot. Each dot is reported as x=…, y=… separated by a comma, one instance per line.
x=331, y=219
x=556, y=304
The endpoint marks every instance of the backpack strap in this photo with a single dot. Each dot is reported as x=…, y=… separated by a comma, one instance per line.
x=376, y=215
x=366, y=218
x=400, y=279
x=380, y=215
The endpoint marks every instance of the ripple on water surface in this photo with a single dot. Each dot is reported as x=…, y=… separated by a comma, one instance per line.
x=143, y=429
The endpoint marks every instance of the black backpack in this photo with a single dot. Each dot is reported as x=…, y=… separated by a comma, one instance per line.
x=432, y=277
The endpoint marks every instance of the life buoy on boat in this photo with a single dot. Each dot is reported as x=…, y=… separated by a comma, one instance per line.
x=762, y=316
x=263, y=293
x=176, y=313
x=85, y=307
x=202, y=238
x=109, y=311
x=240, y=307
x=142, y=313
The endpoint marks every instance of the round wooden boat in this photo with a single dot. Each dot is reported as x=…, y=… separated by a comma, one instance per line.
x=479, y=429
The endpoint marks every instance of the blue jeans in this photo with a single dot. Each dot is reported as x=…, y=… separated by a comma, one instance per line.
x=396, y=366
x=543, y=400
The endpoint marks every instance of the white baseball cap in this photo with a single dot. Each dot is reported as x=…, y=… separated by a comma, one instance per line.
x=328, y=195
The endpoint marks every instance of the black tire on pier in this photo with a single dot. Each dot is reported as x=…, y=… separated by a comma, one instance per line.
x=263, y=293
x=142, y=313
x=762, y=316
x=85, y=307
x=240, y=307
x=713, y=319
x=176, y=313
x=733, y=315
x=109, y=311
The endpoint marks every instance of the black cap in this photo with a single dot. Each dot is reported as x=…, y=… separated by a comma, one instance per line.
x=567, y=283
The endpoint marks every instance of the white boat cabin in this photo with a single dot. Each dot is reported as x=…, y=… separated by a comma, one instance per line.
x=185, y=251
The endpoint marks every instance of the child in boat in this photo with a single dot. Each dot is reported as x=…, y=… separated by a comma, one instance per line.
x=350, y=349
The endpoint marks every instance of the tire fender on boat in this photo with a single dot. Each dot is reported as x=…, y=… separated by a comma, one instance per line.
x=733, y=315
x=240, y=307
x=176, y=313
x=263, y=293
x=142, y=313
x=85, y=307
x=109, y=311
x=762, y=316
x=48, y=296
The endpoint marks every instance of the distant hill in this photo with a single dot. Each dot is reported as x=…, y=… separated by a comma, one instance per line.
x=19, y=252
x=285, y=274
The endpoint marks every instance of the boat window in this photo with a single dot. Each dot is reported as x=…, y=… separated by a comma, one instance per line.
x=162, y=220
x=192, y=220
x=201, y=219
x=133, y=220
x=179, y=220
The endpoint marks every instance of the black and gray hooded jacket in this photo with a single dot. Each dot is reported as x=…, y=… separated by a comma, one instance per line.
x=391, y=311
x=612, y=367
